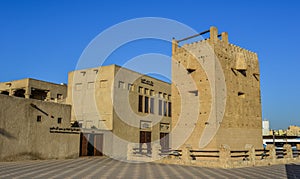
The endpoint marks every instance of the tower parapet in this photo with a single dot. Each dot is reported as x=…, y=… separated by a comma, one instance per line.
x=224, y=79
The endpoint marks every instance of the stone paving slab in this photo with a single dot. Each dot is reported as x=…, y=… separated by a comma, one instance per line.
x=102, y=167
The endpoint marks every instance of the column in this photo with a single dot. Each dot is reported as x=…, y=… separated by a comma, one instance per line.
x=224, y=155
x=27, y=92
x=288, y=151
x=186, y=154
x=213, y=34
x=156, y=151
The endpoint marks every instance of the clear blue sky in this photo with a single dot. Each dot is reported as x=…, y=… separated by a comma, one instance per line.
x=44, y=39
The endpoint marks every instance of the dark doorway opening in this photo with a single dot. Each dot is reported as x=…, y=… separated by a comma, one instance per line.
x=20, y=93
x=91, y=144
x=38, y=94
x=145, y=138
x=4, y=92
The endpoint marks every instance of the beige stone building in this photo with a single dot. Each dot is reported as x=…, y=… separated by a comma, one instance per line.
x=116, y=107
x=215, y=94
x=34, y=89
x=293, y=131
x=32, y=124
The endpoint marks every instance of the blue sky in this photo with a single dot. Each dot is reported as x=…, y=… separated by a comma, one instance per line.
x=44, y=39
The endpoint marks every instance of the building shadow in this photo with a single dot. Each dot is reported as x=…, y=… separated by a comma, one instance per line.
x=292, y=171
x=6, y=134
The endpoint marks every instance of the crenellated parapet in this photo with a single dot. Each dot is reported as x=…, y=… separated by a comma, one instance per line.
x=226, y=80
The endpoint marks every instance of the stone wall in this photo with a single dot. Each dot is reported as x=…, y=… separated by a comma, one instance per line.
x=23, y=136
x=215, y=94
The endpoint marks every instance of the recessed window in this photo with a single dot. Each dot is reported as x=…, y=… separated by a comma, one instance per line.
x=140, y=90
x=83, y=73
x=121, y=84
x=78, y=86
x=194, y=92
x=165, y=96
x=169, y=109
x=103, y=84
x=140, y=104
x=146, y=110
x=146, y=91
x=152, y=93
x=38, y=118
x=59, y=120
x=160, y=107
x=59, y=96
x=130, y=87
x=241, y=94
x=4, y=92
x=256, y=76
x=91, y=85
x=160, y=95
x=152, y=105
x=165, y=108
x=243, y=72
x=190, y=70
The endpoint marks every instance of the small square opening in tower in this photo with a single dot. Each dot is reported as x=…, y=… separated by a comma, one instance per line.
x=241, y=94
x=190, y=70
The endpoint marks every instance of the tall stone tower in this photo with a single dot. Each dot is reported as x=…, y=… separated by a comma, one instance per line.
x=215, y=94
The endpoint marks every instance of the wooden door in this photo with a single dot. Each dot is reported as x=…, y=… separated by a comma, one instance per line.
x=145, y=137
x=83, y=144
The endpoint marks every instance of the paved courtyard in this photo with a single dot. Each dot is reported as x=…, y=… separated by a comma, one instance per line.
x=102, y=167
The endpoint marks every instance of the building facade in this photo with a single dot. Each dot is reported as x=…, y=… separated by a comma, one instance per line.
x=35, y=89
x=121, y=107
x=265, y=127
x=32, y=127
x=215, y=94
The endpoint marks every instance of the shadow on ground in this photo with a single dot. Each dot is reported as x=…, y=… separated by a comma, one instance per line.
x=292, y=171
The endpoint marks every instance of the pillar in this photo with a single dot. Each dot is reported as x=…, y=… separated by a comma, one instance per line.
x=27, y=92
x=225, y=37
x=288, y=151
x=213, y=34
x=272, y=152
x=130, y=147
x=156, y=151
x=186, y=154
x=224, y=155
x=48, y=98
x=174, y=46
x=251, y=153
x=12, y=92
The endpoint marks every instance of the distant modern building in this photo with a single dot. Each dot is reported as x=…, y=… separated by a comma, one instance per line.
x=116, y=107
x=293, y=131
x=265, y=127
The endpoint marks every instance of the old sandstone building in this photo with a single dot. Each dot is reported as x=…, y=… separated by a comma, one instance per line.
x=215, y=94
x=31, y=115
x=116, y=107
x=213, y=101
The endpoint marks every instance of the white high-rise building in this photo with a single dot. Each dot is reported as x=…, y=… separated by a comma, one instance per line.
x=265, y=127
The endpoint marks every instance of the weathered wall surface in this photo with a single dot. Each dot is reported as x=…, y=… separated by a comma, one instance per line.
x=22, y=136
x=219, y=84
x=128, y=120
x=105, y=100
x=55, y=92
